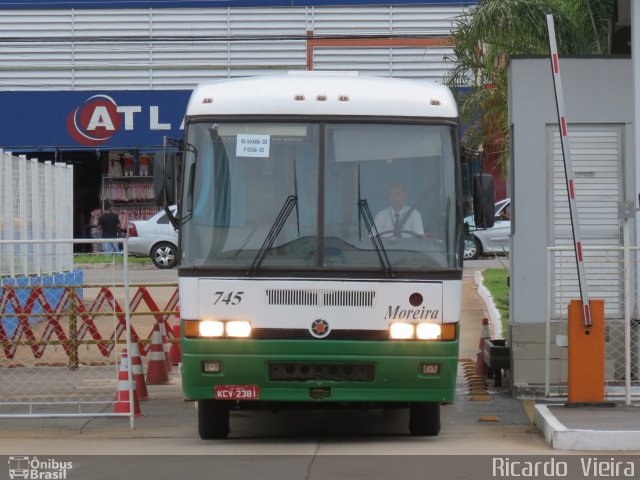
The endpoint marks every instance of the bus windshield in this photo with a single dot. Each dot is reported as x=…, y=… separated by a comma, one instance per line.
x=262, y=196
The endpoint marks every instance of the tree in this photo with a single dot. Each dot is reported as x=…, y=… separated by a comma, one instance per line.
x=486, y=39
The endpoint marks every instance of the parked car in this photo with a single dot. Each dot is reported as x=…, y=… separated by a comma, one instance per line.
x=155, y=238
x=489, y=240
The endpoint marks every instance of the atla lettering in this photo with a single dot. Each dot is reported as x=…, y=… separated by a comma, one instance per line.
x=398, y=313
x=99, y=118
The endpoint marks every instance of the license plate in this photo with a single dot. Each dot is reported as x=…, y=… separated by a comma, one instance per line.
x=237, y=392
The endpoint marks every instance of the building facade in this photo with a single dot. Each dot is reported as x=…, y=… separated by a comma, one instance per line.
x=99, y=84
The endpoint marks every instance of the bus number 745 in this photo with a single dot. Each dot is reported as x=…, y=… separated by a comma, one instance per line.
x=228, y=298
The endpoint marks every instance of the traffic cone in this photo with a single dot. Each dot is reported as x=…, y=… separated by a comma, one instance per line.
x=175, y=346
x=136, y=368
x=166, y=346
x=481, y=367
x=123, y=403
x=157, y=372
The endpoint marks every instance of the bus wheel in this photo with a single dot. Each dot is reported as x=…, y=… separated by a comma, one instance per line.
x=424, y=419
x=213, y=419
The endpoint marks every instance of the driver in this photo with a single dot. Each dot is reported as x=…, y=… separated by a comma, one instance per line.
x=398, y=220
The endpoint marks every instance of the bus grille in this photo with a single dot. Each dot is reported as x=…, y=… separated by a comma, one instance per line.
x=321, y=298
x=304, y=334
x=339, y=372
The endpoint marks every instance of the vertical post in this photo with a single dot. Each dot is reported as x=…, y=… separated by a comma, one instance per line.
x=2, y=202
x=22, y=213
x=56, y=205
x=127, y=318
x=73, y=329
x=36, y=224
x=627, y=311
x=10, y=210
x=547, y=331
x=3, y=213
x=635, y=62
x=48, y=204
x=310, y=45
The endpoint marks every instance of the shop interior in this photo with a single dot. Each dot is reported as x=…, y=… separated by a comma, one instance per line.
x=122, y=178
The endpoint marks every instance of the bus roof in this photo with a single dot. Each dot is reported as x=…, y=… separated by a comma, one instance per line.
x=323, y=94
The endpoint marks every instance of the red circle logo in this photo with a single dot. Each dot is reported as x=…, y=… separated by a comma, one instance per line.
x=320, y=328
x=95, y=121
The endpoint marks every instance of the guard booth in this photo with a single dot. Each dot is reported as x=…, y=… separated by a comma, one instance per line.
x=542, y=260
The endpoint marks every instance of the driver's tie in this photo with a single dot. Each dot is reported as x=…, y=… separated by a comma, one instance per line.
x=396, y=226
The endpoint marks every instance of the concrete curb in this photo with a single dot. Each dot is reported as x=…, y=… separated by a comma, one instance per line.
x=492, y=311
x=563, y=438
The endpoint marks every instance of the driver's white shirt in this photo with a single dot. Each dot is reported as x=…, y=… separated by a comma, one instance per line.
x=385, y=220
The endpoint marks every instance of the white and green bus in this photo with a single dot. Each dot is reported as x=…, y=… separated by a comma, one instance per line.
x=321, y=239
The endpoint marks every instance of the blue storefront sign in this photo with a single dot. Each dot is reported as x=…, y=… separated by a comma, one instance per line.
x=90, y=119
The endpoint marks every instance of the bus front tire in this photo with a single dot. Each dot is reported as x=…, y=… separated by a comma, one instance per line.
x=424, y=419
x=213, y=419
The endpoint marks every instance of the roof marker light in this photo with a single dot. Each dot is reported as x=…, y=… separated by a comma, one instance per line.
x=298, y=97
x=321, y=98
x=207, y=100
x=343, y=98
x=435, y=102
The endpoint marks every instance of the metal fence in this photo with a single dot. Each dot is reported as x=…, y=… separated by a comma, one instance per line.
x=36, y=201
x=611, y=276
x=62, y=339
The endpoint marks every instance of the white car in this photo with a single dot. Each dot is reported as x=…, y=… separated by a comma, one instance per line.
x=155, y=238
x=489, y=240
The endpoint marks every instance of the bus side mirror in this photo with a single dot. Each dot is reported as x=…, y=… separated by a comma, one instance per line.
x=483, y=201
x=164, y=180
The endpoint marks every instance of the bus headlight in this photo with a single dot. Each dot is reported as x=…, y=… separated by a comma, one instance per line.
x=401, y=331
x=428, y=331
x=210, y=328
x=238, y=328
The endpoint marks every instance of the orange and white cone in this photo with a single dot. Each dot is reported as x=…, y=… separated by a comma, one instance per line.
x=136, y=368
x=166, y=346
x=157, y=373
x=123, y=401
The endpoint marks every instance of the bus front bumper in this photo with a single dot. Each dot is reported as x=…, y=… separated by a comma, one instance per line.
x=323, y=370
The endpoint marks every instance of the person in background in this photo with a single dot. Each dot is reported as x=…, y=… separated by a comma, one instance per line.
x=110, y=224
x=95, y=231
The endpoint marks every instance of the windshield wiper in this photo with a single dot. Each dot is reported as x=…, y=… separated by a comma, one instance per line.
x=365, y=213
x=274, y=231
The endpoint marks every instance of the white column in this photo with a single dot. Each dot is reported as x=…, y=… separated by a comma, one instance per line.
x=69, y=212
x=48, y=216
x=3, y=214
x=36, y=217
x=22, y=217
x=10, y=211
